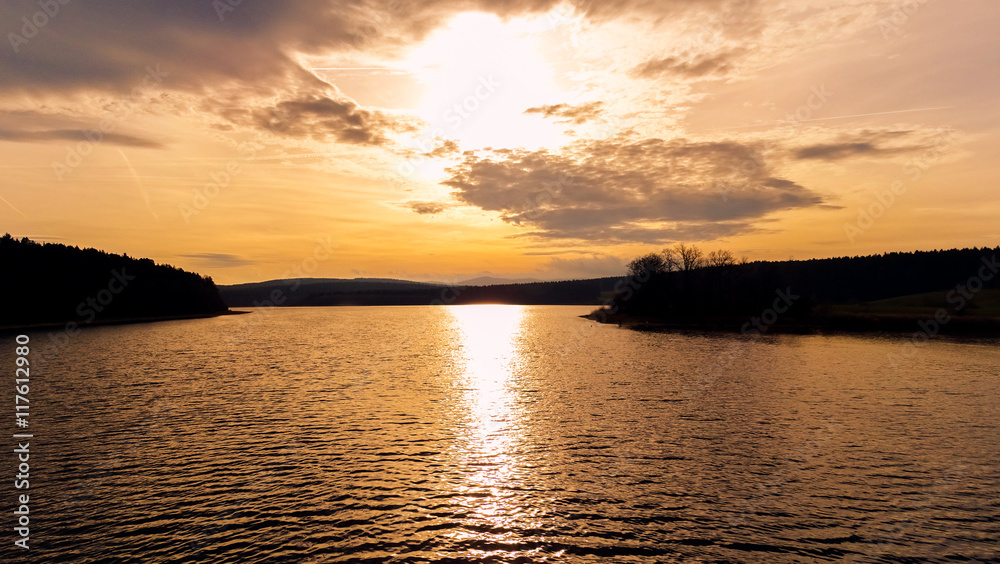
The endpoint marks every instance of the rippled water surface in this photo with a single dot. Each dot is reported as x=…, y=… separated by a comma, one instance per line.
x=506, y=434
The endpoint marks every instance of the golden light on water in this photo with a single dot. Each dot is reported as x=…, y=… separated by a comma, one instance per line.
x=489, y=335
x=488, y=347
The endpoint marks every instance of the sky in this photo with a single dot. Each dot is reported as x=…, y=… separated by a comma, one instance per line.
x=444, y=140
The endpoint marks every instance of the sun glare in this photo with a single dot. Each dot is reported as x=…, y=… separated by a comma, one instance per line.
x=489, y=337
x=480, y=73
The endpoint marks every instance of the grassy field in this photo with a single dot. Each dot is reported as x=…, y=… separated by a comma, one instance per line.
x=985, y=303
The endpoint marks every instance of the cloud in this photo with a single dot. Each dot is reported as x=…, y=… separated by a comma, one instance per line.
x=446, y=148
x=870, y=143
x=322, y=117
x=638, y=190
x=253, y=60
x=699, y=65
x=249, y=61
x=218, y=260
x=76, y=135
x=571, y=114
x=427, y=208
x=107, y=45
x=835, y=151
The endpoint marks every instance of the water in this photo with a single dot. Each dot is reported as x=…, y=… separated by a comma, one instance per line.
x=505, y=434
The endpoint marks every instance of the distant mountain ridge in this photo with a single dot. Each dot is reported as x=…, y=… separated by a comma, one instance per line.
x=736, y=290
x=496, y=281
x=378, y=291
x=313, y=281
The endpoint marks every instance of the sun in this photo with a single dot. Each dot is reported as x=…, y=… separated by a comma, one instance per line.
x=480, y=74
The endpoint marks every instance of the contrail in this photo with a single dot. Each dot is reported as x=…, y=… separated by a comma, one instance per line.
x=12, y=206
x=142, y=187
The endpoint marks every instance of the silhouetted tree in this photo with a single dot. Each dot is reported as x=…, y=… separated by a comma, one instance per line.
x=721, y=258
x=647, y=266
x=671, y=259
x=690, y=256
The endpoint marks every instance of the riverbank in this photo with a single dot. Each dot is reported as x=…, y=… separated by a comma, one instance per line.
x=977, y=326
x=49, y=326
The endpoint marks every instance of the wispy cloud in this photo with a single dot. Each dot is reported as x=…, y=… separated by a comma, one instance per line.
x=44, y=136
x=698, y=65
x=569, y=113
x=218, y=260
x=869, y=143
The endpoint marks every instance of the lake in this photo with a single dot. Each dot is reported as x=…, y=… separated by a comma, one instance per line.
x=505, y=434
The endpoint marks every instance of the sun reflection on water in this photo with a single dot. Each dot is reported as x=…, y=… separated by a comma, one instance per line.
x=489, y=350
x=489, y=335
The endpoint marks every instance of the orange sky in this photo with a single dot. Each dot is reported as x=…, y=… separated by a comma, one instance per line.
x=524, y=139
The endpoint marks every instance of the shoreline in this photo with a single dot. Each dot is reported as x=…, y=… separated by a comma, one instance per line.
x=47, y=326
x=816, y=325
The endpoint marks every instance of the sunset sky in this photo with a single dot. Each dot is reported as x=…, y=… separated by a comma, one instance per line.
x=442, y=140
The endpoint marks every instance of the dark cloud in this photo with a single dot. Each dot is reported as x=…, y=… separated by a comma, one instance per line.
x=246, y=60
x=569, y=113
x=107, y=44
x=693, y=66
x=76, y=135
x=427, y=208
x=645, y=190
x=104, y=44
x=322, y=118
x=252, y=52
x=869, y=143
x=835, y=151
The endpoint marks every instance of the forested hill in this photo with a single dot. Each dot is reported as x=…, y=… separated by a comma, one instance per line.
x=52, y=283
x=682, y=286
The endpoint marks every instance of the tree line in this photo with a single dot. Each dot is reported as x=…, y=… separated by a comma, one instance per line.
x=684, y=281
x=55, y=283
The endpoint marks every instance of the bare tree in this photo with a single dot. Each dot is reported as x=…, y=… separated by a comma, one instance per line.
x=691, y=257
x=721, y=258
x=671, y=261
